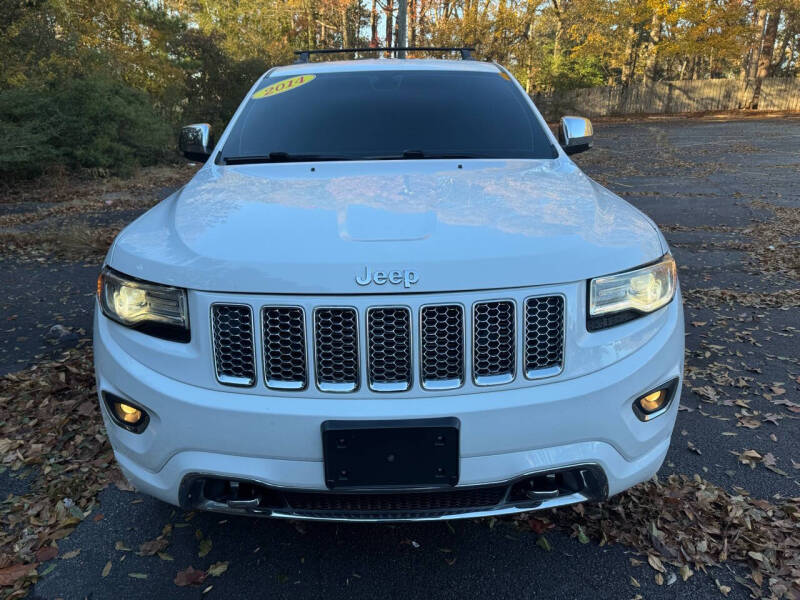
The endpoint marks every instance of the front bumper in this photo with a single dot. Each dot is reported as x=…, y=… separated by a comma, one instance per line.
x=506, y=435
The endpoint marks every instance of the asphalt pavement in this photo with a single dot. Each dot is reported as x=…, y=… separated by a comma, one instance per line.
x=711, y=185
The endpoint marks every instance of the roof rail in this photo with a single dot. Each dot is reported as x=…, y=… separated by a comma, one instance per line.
x=303, y=56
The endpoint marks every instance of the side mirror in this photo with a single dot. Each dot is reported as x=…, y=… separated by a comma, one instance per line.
x=575, y=134
x=196, y=142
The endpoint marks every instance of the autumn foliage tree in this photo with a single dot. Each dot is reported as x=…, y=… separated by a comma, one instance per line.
x=193, y=59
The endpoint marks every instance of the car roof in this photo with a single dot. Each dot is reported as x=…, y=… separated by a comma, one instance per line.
x=384, y=64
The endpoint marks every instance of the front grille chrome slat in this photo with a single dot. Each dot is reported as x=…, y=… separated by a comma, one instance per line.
x=234, y=356
x=284, y=335
x=336, y=354
x=494, y=356
x=442, y=346
x=544, y=336
x=389, y=348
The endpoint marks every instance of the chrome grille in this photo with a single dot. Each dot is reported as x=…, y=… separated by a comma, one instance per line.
x=232, y=326
x=390, y=360
x=544, y=335
x=493, y=356
x=442, y=346
x=284, y=335
x=336, y=349
x=389, y=349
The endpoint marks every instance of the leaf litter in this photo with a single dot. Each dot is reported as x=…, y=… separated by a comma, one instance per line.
x=691, y=524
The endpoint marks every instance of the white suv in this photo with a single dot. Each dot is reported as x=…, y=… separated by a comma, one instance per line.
x=388, y=295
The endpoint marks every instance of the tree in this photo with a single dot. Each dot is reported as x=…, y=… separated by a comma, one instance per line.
x=765, y=59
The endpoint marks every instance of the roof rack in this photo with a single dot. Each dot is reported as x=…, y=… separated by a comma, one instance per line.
x=303, y=56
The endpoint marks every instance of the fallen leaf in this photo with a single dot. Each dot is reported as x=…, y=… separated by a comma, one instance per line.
x=106, y=570
x=72, y=554
x=218, y=568
x=686, y=572
x=582, y=537
x=11, y=574
x=543, y=543
x=635, y=583
x=655, y=562
x=153, y=547
x=539, y=526
x=190, y=576
x=46, y=553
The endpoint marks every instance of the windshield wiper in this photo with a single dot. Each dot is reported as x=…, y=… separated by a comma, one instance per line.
x=419, y=154
x=279, y=157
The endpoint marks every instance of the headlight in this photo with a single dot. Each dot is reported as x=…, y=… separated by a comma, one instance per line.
x=614, y=299
x=158, y=310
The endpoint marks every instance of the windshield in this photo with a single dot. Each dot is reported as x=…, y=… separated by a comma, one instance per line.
x=385, y=115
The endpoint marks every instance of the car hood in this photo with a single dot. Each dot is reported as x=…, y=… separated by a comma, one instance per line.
x=314, y=228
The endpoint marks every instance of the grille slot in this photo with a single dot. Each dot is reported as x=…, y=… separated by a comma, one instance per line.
x=544, y=336
x=448, y=501
x=493, y=348
x=234, y=359
x=442, y=346
x=389, y=345
x=284, y=334
x=336, y=349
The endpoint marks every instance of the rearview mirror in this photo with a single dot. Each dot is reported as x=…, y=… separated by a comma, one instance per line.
x=196, y=142
x=575, y=134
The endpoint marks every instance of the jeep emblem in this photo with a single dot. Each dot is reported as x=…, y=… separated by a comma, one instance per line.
x=407, y=277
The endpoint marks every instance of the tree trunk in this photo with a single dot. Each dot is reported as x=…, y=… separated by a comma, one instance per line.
x=788, y=35
x=345, y=36
x=627, y=59
x=651, y=64
x=373, y=24
x=765, y=60
x=559, y=33
x=755, y=54
x=389, y=22
x=402, y=26
x=412, y=21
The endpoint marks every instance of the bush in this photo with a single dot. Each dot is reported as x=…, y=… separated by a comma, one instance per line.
x=81, y=123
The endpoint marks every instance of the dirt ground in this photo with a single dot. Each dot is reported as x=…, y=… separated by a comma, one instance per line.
x=723, y=521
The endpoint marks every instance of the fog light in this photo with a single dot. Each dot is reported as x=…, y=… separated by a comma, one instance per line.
x=652, y=404
x=125, y=414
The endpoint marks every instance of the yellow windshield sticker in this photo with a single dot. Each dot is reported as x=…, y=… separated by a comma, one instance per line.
x=283, y=86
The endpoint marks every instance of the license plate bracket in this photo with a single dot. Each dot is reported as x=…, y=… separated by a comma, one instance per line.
x=413, y=453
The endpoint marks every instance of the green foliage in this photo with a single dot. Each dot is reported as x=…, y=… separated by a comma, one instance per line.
x=79, y=123
x=106, y=83
x=213, y=82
